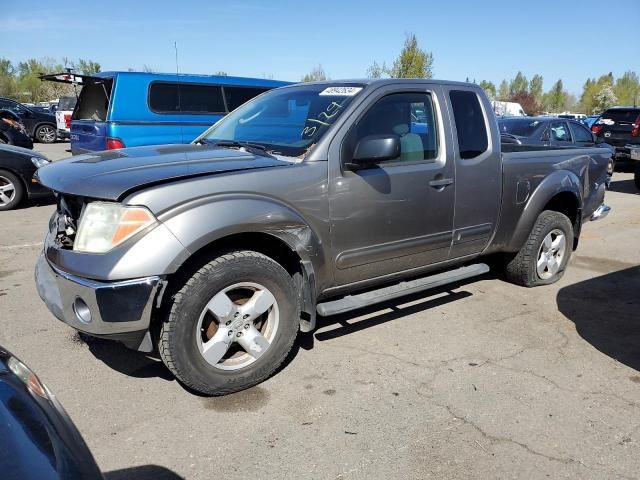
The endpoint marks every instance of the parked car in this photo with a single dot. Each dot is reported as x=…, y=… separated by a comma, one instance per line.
x=39, y=440
x=12, y=130
x=620, y=127
x=317, y=198
x=41, y=126
x=573, y=116
x=17, y=166
x=129, y=109
x=559, y=131
x=63, y=116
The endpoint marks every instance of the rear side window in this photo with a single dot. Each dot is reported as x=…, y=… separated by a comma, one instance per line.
x=470, y=123
x=93, y=102
x=185, y=98
x=580, y=133
x=236, y=96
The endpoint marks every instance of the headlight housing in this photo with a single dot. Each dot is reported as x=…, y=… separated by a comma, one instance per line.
x=40, y=162
x=105, y=225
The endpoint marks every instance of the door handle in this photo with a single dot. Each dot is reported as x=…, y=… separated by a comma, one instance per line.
x=441, y=182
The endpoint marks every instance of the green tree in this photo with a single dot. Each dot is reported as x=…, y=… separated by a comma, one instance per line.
x=627, y=89
x=503, y=91
x=489, y=88
x=519, y=84
x=86, y=67
x=315, y=75
x=413, y=62
x=536, y=88
x=377, y=70
x=555, y=100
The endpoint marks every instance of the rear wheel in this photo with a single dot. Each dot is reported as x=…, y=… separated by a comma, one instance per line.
x=46, y=134
x=544, y=256
x=231, y=324
x=11, y=190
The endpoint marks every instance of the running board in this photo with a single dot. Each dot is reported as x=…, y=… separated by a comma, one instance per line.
x=354, y=302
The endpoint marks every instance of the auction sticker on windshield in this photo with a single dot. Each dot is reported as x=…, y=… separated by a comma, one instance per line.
x=341, y=91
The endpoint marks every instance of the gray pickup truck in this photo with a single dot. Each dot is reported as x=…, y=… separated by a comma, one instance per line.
x=308, y=200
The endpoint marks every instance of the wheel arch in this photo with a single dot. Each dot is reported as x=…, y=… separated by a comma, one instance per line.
x=560, y=192
x=257, y=224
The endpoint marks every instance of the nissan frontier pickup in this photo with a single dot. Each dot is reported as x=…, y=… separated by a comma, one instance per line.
x=311, y=199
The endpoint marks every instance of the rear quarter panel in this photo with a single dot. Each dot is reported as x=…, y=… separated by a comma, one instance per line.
x=531, y=178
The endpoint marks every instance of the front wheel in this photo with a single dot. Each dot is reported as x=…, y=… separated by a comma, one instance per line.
x=231, y=324
x=544, y=256
x=46, y=134
x=11, y=191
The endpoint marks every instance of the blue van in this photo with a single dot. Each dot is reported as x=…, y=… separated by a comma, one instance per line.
x=128, y=109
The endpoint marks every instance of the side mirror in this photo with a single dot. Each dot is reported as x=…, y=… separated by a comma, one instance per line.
x=373, y=149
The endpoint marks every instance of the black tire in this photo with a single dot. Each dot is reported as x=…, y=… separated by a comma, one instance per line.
x=521, y=269
x=636, y=175
x=19, y=192
x=177, y=343
x=43, y=134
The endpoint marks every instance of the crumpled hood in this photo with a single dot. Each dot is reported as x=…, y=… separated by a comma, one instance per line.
x=111, y=174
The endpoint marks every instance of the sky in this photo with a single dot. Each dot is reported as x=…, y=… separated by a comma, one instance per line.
x=283, y=40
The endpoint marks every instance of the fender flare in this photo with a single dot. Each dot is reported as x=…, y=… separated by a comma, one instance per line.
x=204, y=221
x=557, y=182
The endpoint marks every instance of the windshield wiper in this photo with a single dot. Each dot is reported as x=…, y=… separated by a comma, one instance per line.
x=255, y=148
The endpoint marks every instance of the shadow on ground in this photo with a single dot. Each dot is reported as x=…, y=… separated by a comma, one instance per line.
x=606, y=312
x=143, y=472
x=624, y=186
x=124, y=360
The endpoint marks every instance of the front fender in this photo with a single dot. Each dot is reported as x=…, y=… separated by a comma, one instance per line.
x=199, y=223
x=556, y=182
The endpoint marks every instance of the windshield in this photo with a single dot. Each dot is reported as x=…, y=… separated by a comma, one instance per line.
x=519, y=128
x=285, y=121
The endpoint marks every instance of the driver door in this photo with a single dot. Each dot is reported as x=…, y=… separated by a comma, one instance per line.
x=395, y=215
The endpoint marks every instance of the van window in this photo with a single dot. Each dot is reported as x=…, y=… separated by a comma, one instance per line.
x=470, y=124
x=93, y=101
x=236, y=96
x=167, y=97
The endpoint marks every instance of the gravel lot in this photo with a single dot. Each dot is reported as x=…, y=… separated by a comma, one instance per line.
x=487, y=380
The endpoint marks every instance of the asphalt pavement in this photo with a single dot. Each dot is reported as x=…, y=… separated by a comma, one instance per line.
x=485, y=380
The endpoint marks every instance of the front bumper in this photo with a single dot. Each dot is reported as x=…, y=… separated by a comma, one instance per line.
x=119, y=310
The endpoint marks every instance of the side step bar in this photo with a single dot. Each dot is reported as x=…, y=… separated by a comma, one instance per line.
x=354, y=302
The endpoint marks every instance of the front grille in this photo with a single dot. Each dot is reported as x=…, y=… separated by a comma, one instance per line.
x=68, y=210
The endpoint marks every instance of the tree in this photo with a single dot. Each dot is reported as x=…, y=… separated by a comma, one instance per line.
x=413, y=62
x=86, y=67
x=527, y=102
x=489, y=88
x=555, y=100
x=503, y=91
x=605, y=98
x=535, y=88
x=315, y=75
x=518, y=85
x=377, y=70
x=627, y=89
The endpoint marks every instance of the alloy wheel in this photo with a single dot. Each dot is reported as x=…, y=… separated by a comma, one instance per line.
x=551, y=254
x=7, y=191
x=237, y=326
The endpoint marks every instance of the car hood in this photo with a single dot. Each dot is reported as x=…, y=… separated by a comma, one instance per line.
x=112, y=174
